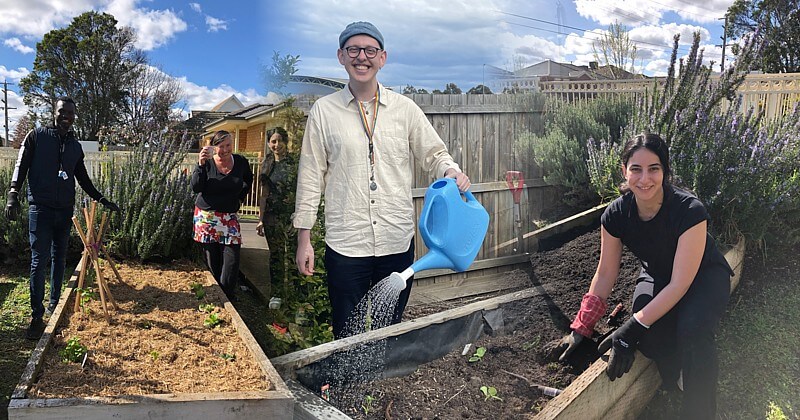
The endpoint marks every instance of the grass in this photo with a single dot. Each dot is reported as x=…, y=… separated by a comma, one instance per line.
x=758, y=346
x=14, y=348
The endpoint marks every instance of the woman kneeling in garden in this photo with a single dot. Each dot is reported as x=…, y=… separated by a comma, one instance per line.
x=222, y=181
x=683, y=287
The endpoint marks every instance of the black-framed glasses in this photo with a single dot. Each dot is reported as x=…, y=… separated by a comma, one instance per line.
x=370, y=52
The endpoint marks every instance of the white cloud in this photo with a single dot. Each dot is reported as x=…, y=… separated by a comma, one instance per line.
x=12, y=75
x=153, y=27
x=196, y=7
x=203, y=98
x=215, y=24
x=657, y=67
x=16, y=44
x=630, y=13
x=34, y=18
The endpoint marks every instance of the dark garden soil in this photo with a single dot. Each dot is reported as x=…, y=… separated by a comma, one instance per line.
x=450, y=387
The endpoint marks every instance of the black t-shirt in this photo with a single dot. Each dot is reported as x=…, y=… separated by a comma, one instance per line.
x=222, y=192
x=655, y=241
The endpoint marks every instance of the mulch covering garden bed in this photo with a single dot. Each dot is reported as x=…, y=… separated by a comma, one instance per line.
x=450, y=387
x=156, y=342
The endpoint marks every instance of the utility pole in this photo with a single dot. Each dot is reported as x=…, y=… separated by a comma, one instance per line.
x=724, y=43
x=5, y=111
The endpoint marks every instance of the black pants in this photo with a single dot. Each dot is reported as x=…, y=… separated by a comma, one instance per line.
x=223, y=261
x=350, y=278
x=684, y=338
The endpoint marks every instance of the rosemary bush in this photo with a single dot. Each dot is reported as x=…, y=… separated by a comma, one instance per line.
x=157, y=203
x=561, y=151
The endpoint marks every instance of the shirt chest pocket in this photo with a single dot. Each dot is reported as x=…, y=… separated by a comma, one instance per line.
x=392, y=148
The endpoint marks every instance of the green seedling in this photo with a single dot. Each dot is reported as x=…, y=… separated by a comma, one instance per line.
x=490, y=392
x=532, y=344
x=478, y=356
x=74, y=351
x=212, y=321
x=145, y=324
x=154, y=355
x=228, y=357
x=367, y=405
x=207, y=307
x=87, y=295
x=199, y=291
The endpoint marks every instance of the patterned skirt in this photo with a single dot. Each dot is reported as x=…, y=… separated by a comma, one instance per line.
x=216, y=227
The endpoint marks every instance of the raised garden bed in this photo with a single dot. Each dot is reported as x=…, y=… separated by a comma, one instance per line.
x=417, y=369
x=174, y=348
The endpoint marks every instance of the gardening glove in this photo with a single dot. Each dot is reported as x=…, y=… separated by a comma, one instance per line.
x=567, y=345
x=109, y=205
x=622, y=343
x=12, y=205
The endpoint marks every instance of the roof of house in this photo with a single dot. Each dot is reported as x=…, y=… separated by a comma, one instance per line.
x=230, y=104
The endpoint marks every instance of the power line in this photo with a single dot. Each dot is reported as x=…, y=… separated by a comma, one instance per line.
x=593, y=31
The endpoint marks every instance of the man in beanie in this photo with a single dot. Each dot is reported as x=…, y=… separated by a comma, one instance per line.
x=357, y=151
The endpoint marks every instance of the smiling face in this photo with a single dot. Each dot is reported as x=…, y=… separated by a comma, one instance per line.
x=277, y=145
x=224, y=148
x=645, y=175
x=362, y=69
x=65, y=115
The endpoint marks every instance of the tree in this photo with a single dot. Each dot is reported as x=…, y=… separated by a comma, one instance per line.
x=149, y=108
x=451, y=88
x=278, y=74
x=614, y=48
x=24, y=125
x=479, y=90
x=777, y=23
x=92, y=61
x=409, y=89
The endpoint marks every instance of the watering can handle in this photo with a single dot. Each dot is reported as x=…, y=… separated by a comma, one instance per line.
x=424, y=216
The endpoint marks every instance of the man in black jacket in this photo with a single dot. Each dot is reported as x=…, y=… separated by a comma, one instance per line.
x=52, y=159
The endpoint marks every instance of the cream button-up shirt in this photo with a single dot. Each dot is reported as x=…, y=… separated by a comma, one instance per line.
x=334, y=161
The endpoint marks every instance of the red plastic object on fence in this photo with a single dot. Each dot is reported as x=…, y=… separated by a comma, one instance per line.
x=515, y=181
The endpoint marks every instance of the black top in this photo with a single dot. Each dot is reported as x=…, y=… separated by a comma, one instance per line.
x=42, y=155
x=222, y=192
x=655, y=241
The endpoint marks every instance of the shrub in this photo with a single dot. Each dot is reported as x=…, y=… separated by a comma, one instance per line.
x=744, y=169
x=561, y=152
x=14, y=243
x=157, y=203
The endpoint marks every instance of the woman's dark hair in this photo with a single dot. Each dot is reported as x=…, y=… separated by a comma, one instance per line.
x=653, y=143
x=280, y=130
x=219, y=137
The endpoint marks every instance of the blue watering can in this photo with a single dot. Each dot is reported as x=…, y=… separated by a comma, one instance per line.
x=452, y=228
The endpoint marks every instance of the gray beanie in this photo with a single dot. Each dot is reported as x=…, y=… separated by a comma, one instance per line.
x=360, y=28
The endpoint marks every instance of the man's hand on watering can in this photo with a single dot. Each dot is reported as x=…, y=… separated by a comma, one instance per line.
x=305, y=253
x=462, y=180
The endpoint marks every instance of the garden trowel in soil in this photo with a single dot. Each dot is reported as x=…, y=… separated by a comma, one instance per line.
x=452, y=228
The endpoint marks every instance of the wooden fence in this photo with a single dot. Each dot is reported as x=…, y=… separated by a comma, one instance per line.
x=774, y=94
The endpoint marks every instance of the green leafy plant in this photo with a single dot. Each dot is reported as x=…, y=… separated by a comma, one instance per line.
x=154, y=355
x=73, y=351
x=532, y=344
x=87, y=295
x=212, y=320
x=490, y=392
x=478, y=356
x=367, y=404
x=198, y=289
x=207, y=307
x=228, y=356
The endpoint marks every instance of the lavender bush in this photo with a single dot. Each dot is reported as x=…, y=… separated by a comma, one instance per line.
x=743, y=168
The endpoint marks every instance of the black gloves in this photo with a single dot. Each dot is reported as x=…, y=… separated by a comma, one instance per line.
x=12, y=206
x=109, y=205
x=622, y=343
x=567, y=345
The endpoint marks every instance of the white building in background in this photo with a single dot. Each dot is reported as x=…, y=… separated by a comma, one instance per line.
x=528, y=78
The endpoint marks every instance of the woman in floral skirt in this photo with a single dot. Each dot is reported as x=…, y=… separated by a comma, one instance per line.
x=221, y=180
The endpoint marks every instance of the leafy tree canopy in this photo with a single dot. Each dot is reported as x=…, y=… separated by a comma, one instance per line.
x=776, y=23
x=451, y=88
x=92, y=61
x=279, y=73
x=479, y=90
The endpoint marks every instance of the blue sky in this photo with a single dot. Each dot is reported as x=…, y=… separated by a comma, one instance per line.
x=215, y=47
